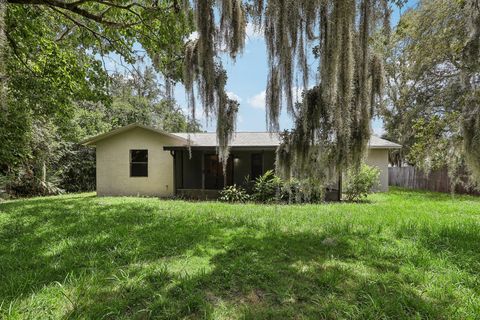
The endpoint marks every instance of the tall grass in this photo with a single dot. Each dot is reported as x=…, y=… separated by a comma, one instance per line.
x=402, y=255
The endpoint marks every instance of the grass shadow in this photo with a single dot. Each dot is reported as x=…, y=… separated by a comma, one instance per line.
x=90, y=257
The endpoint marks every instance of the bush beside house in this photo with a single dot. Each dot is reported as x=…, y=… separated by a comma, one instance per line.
x=270, y=188
x=360, y=183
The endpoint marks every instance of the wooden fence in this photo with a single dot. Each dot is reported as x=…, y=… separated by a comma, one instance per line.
x=413, y=178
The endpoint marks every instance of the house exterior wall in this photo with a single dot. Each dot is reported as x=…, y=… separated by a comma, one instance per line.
x=113, y=165
x=379, y=158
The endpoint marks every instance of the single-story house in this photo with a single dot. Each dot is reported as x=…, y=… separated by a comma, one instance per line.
x=140, y=160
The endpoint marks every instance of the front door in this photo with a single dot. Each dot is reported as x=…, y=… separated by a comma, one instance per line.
x=214, y=178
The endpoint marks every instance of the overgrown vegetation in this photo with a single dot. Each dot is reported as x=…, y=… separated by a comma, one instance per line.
x=433, y=88
x=55, y=89
x=360, y=183
x=332, y=124
x=42, y=154
x=234, y=194
x=403, y=255
x=54, y=57
x=266, y=188
x=270, y=188
x=350, y=75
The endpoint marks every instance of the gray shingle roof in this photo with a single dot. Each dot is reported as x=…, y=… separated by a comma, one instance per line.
x=263, y=139
x=241, y=139
x=379, y=143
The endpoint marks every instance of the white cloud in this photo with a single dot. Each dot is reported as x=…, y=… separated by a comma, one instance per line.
x=258, y=101
x=193, y=36
x=234, y=96
x=253, y=33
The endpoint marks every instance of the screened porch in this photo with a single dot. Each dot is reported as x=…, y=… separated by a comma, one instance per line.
x=199, y=175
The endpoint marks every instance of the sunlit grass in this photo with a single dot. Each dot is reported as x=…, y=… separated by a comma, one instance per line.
x=402, y=255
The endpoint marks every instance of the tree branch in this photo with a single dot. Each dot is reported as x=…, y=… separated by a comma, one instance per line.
x=99, y=18
x=97, y=35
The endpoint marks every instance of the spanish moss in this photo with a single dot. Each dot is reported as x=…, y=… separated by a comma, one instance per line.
x=3, y=77
x=232, y=26
x=332, y=124
x=203, y=69
x=471, y=82
x=226, y=127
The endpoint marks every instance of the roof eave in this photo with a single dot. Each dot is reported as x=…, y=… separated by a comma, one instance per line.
x=238, y=148
x=197, y=147
x=92, y=140
x=384, y=147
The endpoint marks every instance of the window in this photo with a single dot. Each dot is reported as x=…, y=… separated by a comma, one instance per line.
x=257, y=165
x=138, y=163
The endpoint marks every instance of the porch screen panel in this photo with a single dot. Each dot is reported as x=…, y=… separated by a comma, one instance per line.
x=257, y=165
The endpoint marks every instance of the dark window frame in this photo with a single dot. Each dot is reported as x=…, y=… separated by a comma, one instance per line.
x=143, y=163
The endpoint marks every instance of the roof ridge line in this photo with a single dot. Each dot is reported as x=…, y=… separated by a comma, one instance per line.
x=216, y=133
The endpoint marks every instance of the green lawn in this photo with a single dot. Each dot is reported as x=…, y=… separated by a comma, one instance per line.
x=403, y=255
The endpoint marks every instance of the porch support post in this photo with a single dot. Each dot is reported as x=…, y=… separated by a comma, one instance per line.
x=203, y=170
x=182, y=155
x=173, y=153
x=340, y=186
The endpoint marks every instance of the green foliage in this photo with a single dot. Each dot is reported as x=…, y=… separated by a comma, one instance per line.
x=234, y=194
x=59, y=92
x=76, y=168
x=432, y=106
x=406, y=255
x=36, y=142
x=25, y=183
x=46, y=74
x=267, y=187
x=15, y=125
x=104, y=27
x=434, y=140
x=291, y=191
x=305, y=191
x=359, y=183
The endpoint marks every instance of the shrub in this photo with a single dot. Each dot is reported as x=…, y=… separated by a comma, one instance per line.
x=26, y=184
x=76, y=168
x=302, y=191
x=234, y=194
x=291, y=191
x=266, y=187
x=359, y=183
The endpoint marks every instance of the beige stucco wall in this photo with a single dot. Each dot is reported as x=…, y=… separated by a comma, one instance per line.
x=379, y=159
x=113, y=164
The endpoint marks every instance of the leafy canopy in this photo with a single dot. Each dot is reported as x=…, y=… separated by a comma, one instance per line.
x=432, y=89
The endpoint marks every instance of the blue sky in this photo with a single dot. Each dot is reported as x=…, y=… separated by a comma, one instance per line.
x=247, y=82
